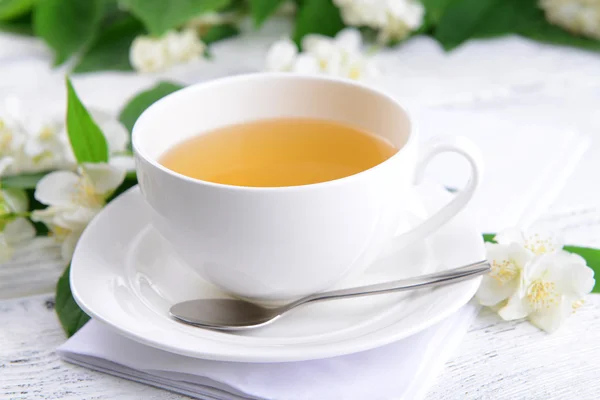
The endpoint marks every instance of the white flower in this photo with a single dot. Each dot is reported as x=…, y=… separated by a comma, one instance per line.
x=394, y=20
x=281, y=56
x=13, y=133
x=13, y=229
x=340, y=56
x=306, y=64
x=29, y=145
x=15, y=232
x=12, y=126
x=46, y=148
x=73, y=199
x=533, y=277
x=553, y=287
x=581, y=17
x=536, y=242
x=508, y=258
x=148, y=54
x=184, y=46
x=125, y=162
x=507, y=262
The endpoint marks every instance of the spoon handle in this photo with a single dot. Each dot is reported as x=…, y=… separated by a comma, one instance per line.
x=439, y=278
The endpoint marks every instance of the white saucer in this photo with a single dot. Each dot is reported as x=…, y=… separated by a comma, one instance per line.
x=125, y=275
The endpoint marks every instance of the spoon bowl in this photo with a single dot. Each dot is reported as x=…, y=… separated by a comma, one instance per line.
x=225, y=314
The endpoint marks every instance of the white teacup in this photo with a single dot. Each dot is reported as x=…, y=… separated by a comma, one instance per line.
x=273, y=245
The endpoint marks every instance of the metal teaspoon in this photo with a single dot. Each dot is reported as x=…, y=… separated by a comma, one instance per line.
x=235, y=315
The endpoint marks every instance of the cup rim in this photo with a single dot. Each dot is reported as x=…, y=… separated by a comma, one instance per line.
x=261, y=76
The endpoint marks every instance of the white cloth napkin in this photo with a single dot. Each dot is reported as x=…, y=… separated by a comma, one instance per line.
x=401, y=370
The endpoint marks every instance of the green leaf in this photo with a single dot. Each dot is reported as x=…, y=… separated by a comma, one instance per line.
x=112, y=12
x=262, y=9
x=10, y=9
x=489, y=237
x=434, y=9
x=463, y=19
x=317, y=16
x=71, y=317
x=110, y=50
x=220, y=32
x=160, y=15
x=23, y=181
x=466, y=19
x=592, y=257
x=87, y=141
x=131, y=112
x=19, y=26
x=67, y=25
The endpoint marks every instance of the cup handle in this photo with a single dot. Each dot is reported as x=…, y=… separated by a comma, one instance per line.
x=452, y=144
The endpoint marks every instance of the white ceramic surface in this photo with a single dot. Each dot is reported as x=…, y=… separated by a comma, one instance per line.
x=127, y=276
x=278, y=244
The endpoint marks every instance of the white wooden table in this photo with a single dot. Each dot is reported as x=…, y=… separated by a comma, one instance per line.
x=497, y=359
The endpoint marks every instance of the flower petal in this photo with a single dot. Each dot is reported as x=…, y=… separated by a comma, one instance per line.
x=349, y=39
x=334, y=63
x=125, y=162
x=44, y=216
x=18, y=230
x=47, y=215
x=408, y=12
x=66, y=217
x=76, y=218
x=57, y=188
x=183, y=46
x=550, y=319
x=16, y=199
x=12, y=109
x=578, y=280
x=508, y=236
x=104, y=177
x=316, y=44
x=492, y=291
x=571, y=258
x=538, y=267
x=148, y=54
x=5, y=163
x=507, y=263
x=306, y=64
x=514, y=309
x=281, y=55
x=542, y=242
